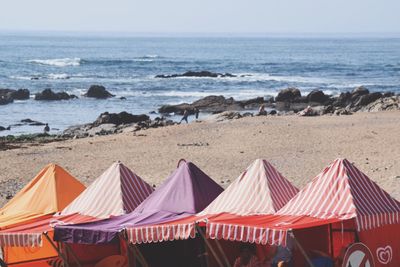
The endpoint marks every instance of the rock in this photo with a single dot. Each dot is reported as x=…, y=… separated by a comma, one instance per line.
x=20, y=94
x=382, y=104
x=119, y=118
x=205, y=73
x=227, y=115
x=317, y=96
x=367, y=99
x=288, y=95
x=359, y=91
x=48, y=94
x=4, y=100
x=32, y=122
x=98, y=91
x=273, y=112
x=253, y=102
x=102, y=129
x=387, y=94
x=2, y=128
x=122, y=98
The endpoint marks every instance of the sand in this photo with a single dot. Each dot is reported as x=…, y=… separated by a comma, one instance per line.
x=299, y=147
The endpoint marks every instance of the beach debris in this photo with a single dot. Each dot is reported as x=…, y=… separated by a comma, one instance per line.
x=98, y=91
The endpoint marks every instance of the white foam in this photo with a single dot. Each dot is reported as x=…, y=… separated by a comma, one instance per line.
x=58, y=76
x=58, y=62
x=151, y=56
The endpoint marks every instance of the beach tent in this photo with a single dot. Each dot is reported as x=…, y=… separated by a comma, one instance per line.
x=185, y=192
x=117, y=191
x=260, y=189
x=338, y=207
x=49, y=192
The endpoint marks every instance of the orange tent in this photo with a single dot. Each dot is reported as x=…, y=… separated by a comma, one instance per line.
x=49, y=192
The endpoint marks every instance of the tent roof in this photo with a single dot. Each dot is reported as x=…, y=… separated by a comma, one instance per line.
x=339, y=193
x=185, y=192
x=117, y=191
x=260, y=189
x=342, y=191
x=49, y=192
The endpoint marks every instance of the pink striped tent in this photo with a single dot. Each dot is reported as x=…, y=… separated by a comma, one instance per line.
x=259, y=190
x=343, y=199
x=117, y=191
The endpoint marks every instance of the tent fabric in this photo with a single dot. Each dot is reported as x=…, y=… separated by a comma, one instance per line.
x=132, y=191
x=339, y=193
x=49, y=192
x=187, y=191
x=117, y=191
x=260, y=189
x=30, y=234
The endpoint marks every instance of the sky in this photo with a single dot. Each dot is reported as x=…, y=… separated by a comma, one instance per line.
x=204, y=16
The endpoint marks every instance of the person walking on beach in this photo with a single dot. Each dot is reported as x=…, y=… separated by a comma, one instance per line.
x=46, y=128
x=185, y=116
x=196, y=113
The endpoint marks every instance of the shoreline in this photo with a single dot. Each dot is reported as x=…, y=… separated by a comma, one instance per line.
x=299, y=147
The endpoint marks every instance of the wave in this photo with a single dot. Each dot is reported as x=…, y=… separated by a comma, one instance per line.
x=51, y=76
x=58, y=62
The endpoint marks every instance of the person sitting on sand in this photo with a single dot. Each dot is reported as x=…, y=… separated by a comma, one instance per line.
x=46, y=128
x=185, y=116
x=261, y=110
x=247, y=257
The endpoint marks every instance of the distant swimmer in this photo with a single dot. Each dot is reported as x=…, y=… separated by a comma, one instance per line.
x=46, y=128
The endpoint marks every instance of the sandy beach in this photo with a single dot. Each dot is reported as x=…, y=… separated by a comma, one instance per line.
x=300, y=147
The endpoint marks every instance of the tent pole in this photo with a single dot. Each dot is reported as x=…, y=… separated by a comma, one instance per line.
x=59, y=252
x=223, y=253
x=331, y=240
x=134, y=250
x=301, y=250
x=209, y=246
x=69, y=249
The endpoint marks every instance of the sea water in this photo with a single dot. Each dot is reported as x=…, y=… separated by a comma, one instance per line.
x=127, y=67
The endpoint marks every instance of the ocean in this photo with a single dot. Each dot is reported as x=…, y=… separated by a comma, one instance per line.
x=126, y=66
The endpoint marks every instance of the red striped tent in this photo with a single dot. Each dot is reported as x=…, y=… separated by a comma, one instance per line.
x=117, y=191
x=260, y=189
x=340, y=199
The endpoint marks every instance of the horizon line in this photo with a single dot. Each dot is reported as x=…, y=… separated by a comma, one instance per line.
x=198, y=34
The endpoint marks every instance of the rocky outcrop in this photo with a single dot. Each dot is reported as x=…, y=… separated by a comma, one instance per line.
x=119, y=118
x=317, y=96
x=48, y=94
x=99, y=92
x=4, y=100
x=213, y=104
x=110, y=123
x=288, y=95
x=204, y=73
x=382, y=104
x=20, y=94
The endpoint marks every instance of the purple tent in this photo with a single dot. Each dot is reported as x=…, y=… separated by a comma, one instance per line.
x=186, y=191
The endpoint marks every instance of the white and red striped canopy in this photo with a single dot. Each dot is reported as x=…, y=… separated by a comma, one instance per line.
x=260, y=189
x=339, y=193
x=342, y=191
x=117, y=191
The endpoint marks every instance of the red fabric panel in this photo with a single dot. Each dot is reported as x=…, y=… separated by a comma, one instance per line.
x=93, y=253
x=383, y=243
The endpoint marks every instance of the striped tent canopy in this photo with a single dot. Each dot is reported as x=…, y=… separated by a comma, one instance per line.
x=259, y=190
x=117, y=191
x=341, y=192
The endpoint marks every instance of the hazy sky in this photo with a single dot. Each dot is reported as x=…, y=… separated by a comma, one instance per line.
x=202, y=16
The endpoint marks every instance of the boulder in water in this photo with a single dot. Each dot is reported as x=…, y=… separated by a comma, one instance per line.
x=48, y=94
x=119, y=118
x=98, y=91
x=288, y=95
